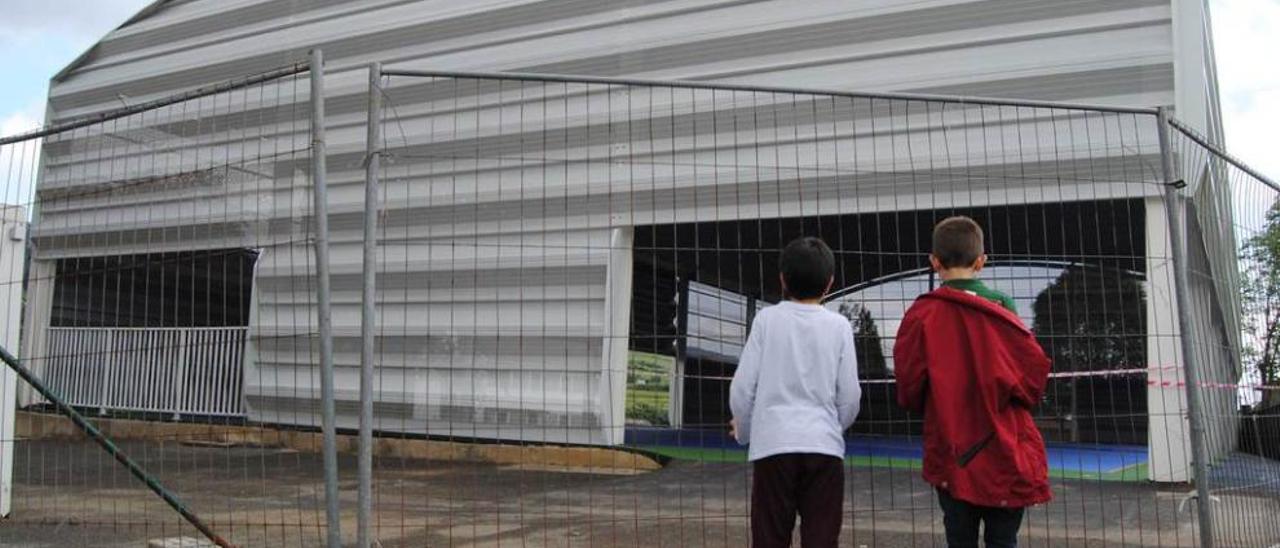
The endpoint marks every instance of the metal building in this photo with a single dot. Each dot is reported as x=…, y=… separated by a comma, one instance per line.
x=1134, y=53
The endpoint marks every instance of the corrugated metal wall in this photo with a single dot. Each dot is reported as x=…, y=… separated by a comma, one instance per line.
x=497, y=316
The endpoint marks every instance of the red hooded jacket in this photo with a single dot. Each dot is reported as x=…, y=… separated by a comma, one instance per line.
x=977, y=372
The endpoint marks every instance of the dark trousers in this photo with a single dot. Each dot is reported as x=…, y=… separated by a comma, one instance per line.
x=790, y=484
x=1000, y=525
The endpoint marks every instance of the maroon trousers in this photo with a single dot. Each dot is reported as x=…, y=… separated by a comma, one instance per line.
x=809, y=485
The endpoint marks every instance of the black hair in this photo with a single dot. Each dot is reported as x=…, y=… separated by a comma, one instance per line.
x=807, y=265
x=957, y=242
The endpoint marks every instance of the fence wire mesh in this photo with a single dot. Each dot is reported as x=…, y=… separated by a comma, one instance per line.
x=167, y=292
x=566, y=271
x=570, y=262
x=1233, y=229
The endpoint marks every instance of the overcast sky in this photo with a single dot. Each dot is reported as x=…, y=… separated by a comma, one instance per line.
x=39, y=37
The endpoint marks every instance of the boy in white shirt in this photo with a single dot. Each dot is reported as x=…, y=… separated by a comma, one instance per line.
x=794, y=394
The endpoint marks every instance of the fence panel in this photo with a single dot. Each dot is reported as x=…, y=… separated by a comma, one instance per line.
x=1234, y=263
x=566, y=272
x=570, y=262
x=169, y=294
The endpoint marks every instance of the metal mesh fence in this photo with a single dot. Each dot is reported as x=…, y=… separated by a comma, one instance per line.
x=573, y=261
x=541, y=288
x=160, y=280
x=1232, y=229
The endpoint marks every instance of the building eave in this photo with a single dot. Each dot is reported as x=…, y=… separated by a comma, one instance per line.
x=81, y=59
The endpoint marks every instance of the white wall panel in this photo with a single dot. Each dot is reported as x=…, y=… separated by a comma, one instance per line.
x=496, y=286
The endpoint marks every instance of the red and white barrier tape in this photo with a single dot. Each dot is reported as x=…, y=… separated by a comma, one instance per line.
x=1225, y=386
x=1070, y=374
x=1134, y=371
x=1081, y=374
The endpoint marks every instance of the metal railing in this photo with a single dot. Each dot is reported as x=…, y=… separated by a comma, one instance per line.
x=154, y=228
x=179, y=371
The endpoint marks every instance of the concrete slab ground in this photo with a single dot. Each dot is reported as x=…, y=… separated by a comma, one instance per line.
x=69, y=493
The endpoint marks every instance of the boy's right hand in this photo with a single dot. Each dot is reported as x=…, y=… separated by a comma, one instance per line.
x=733, y=430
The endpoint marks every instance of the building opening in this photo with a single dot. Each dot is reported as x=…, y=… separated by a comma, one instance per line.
x=1076, y=272
x=156, y=333
x=163, y=290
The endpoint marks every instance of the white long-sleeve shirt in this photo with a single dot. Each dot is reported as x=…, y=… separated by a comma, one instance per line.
x=796, y=387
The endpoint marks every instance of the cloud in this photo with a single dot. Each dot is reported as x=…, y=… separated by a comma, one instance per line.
x=38, y=37
x=20, y=121
x=68, y=19
x=1246, y=36
x=18, y=161
x=1252, y=124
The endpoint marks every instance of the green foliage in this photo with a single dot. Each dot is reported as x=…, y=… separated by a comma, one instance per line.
x=648, y=384
x=1260, y=296
x=1092, y=319
x=648, y=407
x=1089, y=319
x=866, y=340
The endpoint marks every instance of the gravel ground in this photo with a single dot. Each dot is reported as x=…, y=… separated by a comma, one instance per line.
x=71, y=494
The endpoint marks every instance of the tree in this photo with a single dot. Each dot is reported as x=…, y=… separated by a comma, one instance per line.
x=1089, y=319
x=1092, y=319
x=866, y=341
x=1260, y=292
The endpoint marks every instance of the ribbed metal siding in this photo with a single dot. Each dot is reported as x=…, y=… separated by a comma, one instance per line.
x=509, y=343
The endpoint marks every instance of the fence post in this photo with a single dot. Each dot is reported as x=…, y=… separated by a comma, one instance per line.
x=1174, y=208
x=373, y=147
x=324, y=317
x=13, y=255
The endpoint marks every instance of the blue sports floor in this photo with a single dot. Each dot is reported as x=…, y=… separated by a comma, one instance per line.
x=1081, y=461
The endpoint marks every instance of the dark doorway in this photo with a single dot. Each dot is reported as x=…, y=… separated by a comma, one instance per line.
x=739, y=258
x=181, y=289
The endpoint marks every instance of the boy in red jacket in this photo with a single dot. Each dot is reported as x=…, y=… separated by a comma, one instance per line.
x=965, y=358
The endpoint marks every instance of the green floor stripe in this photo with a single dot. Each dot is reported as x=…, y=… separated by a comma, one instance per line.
x=1133, y=473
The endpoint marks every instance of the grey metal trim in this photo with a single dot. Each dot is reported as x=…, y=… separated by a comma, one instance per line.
x=324, y=314
x=368, y=312
x=1202, y=141
x=80, y=60
x=296, y=68
x=1175, y=208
